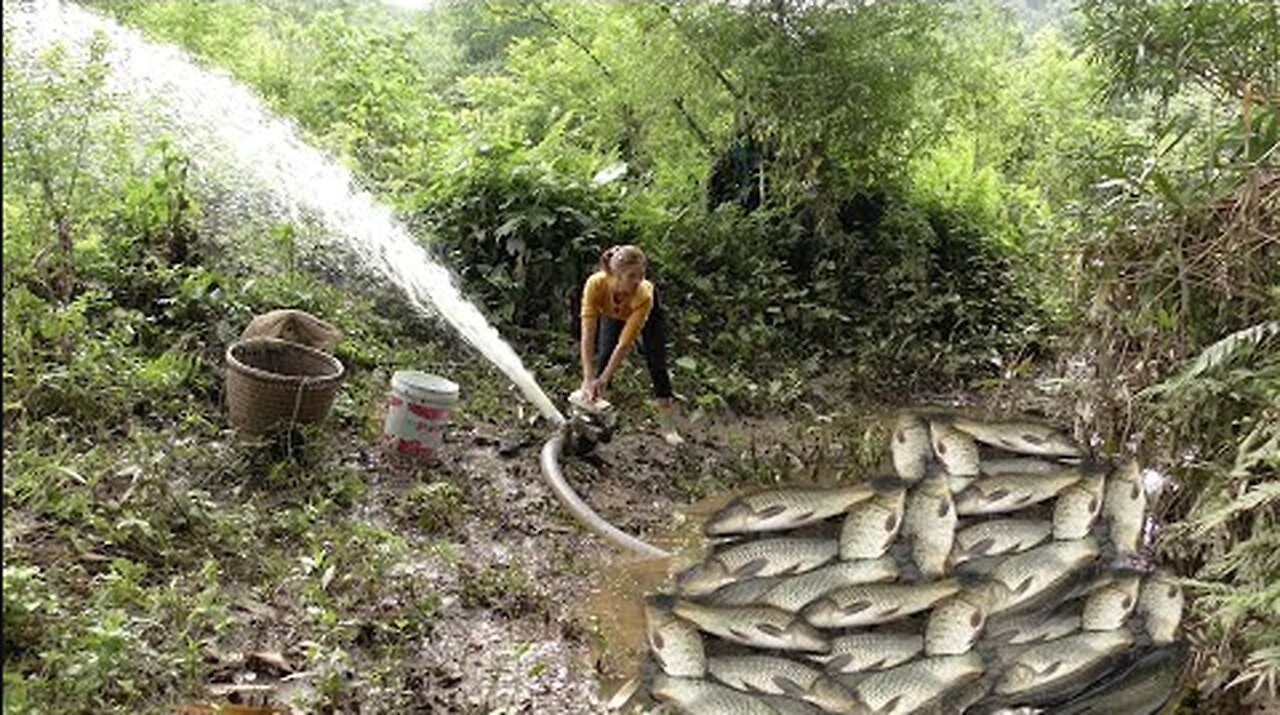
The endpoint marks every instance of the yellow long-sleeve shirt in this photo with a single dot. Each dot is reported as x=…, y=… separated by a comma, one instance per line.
x=599, y=299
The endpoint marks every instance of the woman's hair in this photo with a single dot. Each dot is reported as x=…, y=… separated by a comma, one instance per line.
x=621, y=257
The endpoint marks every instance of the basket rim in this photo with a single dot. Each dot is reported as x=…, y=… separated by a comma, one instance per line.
x=235, y=364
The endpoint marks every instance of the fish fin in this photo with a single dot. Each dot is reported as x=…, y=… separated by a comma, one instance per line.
x=886, y=485
x=661, y=601
x=769, y=629
x=892, y=705
x=969, y=581
x=751, y=568
x=788, y=686
x=714, y=524
x=989, y=651
x=856, y=607
x=800, y=518
x=996, y=494
x=1137, y=625
x=770, y=512
x=1032, y=438
x=836, y=664
x=908, y=572
x=624, y=695
x=980, y=547
x=657, y=657
x=741, y=635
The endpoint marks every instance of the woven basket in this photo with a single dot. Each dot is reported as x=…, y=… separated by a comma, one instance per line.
x=273, y=384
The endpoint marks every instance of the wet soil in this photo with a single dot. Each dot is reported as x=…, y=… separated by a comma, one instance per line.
x=531, y=613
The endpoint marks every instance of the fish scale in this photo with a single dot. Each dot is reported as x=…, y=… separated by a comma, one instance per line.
x=910, y=447
x=910, y=687
x=760, y=626
x=870, y=604
x=1000, y=536
x=1010, y=492
x=675, y=644
x=794, y=594
x=782, y=676
x=784, y=509
x=1050, y=664
x=758, y=558
x=695, y=695
x=869, y=650
x=930, y=525
x=870, y=526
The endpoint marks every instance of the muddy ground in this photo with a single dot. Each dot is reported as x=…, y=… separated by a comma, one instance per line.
x=497, y=600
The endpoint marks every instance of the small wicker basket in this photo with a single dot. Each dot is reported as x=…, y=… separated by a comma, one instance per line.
x=274, y=384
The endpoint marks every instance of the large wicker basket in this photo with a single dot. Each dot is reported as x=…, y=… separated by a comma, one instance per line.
x=274, y=384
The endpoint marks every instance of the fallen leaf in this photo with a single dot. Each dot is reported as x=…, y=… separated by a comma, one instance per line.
x=268, y=661
x=327, y=578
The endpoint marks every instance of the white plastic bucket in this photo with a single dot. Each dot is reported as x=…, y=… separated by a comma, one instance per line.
x=417, y=411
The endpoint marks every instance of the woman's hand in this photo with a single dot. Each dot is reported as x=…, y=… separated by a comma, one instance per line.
x=594, y=389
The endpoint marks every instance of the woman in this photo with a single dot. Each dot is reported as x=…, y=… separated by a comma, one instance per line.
x=619, y=305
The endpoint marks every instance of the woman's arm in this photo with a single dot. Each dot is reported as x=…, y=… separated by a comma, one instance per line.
x=615, y=360
x=588, y=359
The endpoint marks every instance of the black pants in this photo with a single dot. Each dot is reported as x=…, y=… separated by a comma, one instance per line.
x=653, y=343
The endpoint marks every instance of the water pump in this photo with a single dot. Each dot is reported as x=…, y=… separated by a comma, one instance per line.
x=590, y=422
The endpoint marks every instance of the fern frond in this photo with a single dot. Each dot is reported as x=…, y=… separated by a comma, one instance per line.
x=1235, y=346
x=1260, y=496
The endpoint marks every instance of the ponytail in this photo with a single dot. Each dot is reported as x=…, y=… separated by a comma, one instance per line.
x=606, y=258
x=625, y=255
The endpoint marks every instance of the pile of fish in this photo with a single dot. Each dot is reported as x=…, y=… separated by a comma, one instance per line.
x=995, y=572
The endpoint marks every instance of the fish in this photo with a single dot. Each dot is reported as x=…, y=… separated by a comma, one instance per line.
x=782, y=676
x=759, y=626
x=786, y=508
x=956, y=450
x=1032, y=628
x=781, y=556
x=1106, y=608
x=872, y=603
x=695, y=696
x=1056, y=666
x=870, y=650
x=676, y=644
x=995, y=537
x=1078, y=507
x=1017, y=465
x=1160, y=601
x=1010, y=492
x=784, y=705
x=793, y=594
x=910, y=446
x=871, y=526
x=1125, y=504
x=1037, y=572
x=743, y=593
x=1142, y=688
x=954, y=625
x=930, y=525
x=1023, y=437
x=912, y=687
